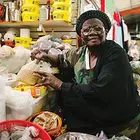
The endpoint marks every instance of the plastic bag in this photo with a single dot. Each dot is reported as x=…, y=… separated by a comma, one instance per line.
x=136, y=77
x=120, y=138
x=6, y=51
x=135, y=66
x=19, y=104
x=44, y=38
x=134, y=52
x=2, y=99
x=4, y=135
x=26, y=75
x=44, y=45
x=14, y=63
x=102, y=136
x=24, y=133
x=77, y=136
x=54, y=51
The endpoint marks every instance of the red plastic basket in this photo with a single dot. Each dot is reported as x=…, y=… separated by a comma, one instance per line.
x=10, y=123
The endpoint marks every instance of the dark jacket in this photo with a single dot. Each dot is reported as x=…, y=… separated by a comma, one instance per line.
x=108, y=100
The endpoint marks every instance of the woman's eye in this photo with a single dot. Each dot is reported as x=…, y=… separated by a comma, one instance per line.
x=98, y=28
x=86, y=30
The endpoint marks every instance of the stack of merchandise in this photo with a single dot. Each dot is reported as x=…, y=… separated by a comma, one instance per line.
x=22, y=97
x=136, y=72
x=30, y=10
x=61, y=10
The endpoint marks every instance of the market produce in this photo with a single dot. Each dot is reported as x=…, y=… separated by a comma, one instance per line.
x=50, y=44
x=136, y=71
x=135, y=66
x=119, y=138
x=20, y=133
x=19, y=105
x=6, y=51
x=77, y=136
x=47, y=121
x=26, y=74
x=13, y=58
x=65, y=37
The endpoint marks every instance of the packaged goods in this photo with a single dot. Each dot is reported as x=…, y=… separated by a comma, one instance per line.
x=26, y=74
x=35, y=91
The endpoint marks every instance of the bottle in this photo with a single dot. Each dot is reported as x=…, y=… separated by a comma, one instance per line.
x=17, y=12
x=43, y=13
x=47, y=13
x=49, y=10
x=13, y=11
x=7, y=13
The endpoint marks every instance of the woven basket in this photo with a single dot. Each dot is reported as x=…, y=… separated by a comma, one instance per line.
x=53, y=133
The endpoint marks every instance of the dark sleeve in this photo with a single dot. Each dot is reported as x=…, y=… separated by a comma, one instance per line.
x=109, y=79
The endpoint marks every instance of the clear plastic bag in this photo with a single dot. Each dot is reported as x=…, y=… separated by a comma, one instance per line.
x=77, y=136
x=24, y=133
x=4, y=135
x=44, y=45
x=6, y=51
x=120, y=138
x=2, y=99
x=19, y=104
x=134, y=52
x=26, y=74
x=14, y=62
x=135, y=66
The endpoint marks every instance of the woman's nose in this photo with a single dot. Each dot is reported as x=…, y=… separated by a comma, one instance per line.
x=92, y=32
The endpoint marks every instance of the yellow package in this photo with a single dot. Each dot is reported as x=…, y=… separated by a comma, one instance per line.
x=35, y=91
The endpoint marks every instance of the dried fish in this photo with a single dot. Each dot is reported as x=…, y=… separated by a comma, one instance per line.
x=4, y=135
x=20, y=133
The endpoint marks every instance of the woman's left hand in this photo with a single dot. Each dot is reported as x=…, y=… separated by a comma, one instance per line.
x=48, y=79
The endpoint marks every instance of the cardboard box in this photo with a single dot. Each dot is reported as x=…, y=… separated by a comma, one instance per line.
x=46, y=102
x=39, y=103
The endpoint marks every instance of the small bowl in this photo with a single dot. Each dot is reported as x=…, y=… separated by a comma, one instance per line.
x=54, y=132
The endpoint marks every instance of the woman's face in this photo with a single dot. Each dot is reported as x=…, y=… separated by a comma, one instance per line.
x=93, y=32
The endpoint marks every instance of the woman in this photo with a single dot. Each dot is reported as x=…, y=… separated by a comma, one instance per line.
x=103, y=96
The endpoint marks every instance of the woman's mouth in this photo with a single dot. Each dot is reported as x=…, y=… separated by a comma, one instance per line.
x=92, y=39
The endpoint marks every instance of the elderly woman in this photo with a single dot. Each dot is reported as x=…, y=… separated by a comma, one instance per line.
x=103, y=96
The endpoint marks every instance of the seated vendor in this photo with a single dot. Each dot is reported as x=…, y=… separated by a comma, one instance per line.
x=103, y=95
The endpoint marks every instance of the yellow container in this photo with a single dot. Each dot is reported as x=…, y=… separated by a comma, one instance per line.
x=62, y=15
x=28, y=16
x=31, y=8
x=66, y=1
x=35, y=91
x=23, y=41
x=37, y=2
x=69, y=41
x=61, y=6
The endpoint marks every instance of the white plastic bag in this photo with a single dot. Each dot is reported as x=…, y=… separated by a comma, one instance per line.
x=2, y=99
x=6, y=51
x=19, y=104
x=135, y=66
x=26, y=74
x=14, y=63
x=134, y=52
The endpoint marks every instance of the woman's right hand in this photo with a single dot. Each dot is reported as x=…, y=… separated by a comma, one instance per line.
x=42, y=55
x=38, y=54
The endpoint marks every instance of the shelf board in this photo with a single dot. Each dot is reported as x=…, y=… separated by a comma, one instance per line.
x=49, y=24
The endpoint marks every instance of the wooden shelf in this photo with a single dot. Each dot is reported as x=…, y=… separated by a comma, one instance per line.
x=49, y=24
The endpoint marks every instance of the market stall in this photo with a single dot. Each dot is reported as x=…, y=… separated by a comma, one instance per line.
x=29, y=110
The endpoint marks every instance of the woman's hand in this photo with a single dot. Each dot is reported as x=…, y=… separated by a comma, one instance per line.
x=38, y=54
x=42, y=55
x=48, y=79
